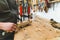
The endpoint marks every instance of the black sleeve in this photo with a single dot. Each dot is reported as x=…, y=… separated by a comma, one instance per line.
x=12, y=4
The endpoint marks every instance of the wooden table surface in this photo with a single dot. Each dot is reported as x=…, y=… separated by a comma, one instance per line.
x=40, y=29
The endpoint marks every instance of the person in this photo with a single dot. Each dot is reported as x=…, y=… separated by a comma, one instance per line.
x=39, y=6
x=42, y=3
x=28, y=11
x=25, y=7
x=45, y=6
x=8, y=19
x=21, y=11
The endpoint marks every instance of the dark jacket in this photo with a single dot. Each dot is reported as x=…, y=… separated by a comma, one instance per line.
x=8, y=11
x=12, y=5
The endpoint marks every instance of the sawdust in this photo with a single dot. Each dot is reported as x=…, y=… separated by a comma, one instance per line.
x=40, y=29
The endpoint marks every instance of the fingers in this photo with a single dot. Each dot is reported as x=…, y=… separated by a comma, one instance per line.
x=13, y=28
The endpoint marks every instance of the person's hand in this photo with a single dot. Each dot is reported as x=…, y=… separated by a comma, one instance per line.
x=9, y=27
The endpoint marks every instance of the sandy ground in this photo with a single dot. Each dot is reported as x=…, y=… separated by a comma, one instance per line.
x=40, y=29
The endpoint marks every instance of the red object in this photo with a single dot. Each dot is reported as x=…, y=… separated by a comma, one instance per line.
x=21, y=8
x=28, y=9
x=47, y=4
x=46, y=1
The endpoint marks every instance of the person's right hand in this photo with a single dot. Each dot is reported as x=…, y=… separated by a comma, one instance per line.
x=9, y=27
